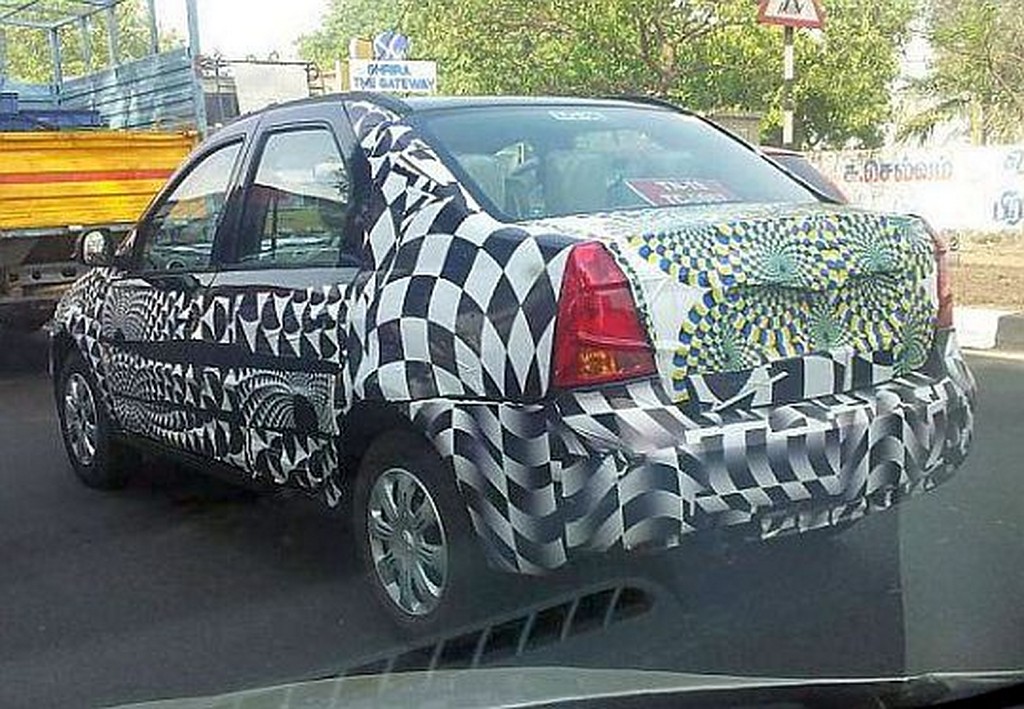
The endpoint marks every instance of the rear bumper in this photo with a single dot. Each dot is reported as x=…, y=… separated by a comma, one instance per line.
x=624, y=468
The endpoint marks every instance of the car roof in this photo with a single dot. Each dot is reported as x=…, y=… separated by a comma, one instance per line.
x=420, y=104
x=432, y=103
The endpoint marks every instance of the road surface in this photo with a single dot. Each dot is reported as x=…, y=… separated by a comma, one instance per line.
x=178, y=586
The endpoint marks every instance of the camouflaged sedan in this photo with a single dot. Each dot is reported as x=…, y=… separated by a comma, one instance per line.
x=518, y=330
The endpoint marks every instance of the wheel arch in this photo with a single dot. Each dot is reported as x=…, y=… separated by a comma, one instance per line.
x=363, y=424
x=62, y=345
x=367, y=420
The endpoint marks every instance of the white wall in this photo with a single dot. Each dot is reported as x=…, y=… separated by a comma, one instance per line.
x=956, y=187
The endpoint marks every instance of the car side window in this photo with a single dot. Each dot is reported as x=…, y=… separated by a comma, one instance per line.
x=297, y=206
x=180, y=234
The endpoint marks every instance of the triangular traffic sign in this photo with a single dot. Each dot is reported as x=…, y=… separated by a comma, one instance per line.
x=794, y=13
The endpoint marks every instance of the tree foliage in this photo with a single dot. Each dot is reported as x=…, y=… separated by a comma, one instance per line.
x=29, y=58
x=977, y=74
x=709, y=55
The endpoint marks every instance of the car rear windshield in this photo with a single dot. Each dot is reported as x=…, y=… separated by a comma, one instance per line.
x=530, y=162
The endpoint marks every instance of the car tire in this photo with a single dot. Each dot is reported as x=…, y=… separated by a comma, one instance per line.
x=419, y=553
x=97, y=459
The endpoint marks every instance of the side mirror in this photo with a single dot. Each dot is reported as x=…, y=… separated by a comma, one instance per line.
x=96, y=248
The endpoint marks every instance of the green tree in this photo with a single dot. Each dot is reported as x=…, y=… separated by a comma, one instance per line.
x=28, y=56
x=977, y=74
x=345, y=19
x=708, y=55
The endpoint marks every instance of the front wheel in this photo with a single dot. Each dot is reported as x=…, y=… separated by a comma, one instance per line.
x=98, y=460
x=414, y=536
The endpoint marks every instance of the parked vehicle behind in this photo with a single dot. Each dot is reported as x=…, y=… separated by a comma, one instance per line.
x=82, y=152
x=90, y=151
x=54, y=186
x=802, y=168
x=515, y=329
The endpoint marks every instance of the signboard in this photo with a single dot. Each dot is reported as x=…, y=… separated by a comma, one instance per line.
x=391, y=46
x=403, y=77
x=791, y=13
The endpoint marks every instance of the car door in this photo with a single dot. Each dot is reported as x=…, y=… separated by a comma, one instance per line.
x=288, y=268
x=156, y=323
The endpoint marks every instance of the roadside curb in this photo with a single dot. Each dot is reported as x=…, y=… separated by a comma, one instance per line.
x=989, y=329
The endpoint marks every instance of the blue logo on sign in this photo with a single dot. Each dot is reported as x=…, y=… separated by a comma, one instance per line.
x=391, y=46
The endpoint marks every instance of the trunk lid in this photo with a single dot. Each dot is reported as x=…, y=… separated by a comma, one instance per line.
x=751, y=305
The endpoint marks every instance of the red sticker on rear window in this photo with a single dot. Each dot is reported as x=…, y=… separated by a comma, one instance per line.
x=669, y=192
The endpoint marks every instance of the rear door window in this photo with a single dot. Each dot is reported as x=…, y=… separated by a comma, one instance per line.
x=298, y=204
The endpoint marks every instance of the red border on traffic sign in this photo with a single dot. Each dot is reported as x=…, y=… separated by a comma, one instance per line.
x=766, y=19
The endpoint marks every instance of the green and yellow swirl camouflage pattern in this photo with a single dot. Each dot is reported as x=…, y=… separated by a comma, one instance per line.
x=787, y=286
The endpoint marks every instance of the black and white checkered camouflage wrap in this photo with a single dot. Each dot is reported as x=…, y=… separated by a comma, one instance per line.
x=282, y=323
x=79, y=314
x=467, y=312
x=622, y=467
x=459, y=303
x=454, y=326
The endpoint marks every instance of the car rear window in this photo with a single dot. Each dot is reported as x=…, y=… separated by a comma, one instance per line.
x=549, y=160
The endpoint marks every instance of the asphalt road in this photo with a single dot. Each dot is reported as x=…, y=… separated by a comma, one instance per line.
x=179, y=586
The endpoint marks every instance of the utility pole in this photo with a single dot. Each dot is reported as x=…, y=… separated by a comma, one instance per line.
x=788, y=77
x=790, y=14
x=194, y=48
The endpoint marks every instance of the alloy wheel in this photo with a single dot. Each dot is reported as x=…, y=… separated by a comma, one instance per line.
x=408, y=545
x=80, y=419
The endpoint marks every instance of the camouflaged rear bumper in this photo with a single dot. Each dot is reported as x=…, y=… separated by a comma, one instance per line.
x=625, y=468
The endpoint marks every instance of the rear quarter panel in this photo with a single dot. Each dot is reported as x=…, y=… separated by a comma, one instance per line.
x=459, y=304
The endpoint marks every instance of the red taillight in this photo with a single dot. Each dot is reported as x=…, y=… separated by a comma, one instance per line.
x=944, y=280
x=598, y=335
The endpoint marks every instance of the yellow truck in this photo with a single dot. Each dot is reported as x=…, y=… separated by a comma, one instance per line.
x=86, y=152
x=89, y=152
x=56, y=184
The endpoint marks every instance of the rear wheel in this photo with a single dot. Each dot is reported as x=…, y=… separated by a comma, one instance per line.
x=98, y=460
x=418, y=549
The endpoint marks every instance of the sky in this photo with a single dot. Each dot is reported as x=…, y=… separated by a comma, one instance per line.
x=238, y=28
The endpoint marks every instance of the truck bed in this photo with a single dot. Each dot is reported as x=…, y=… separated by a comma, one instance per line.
x=52, y=180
